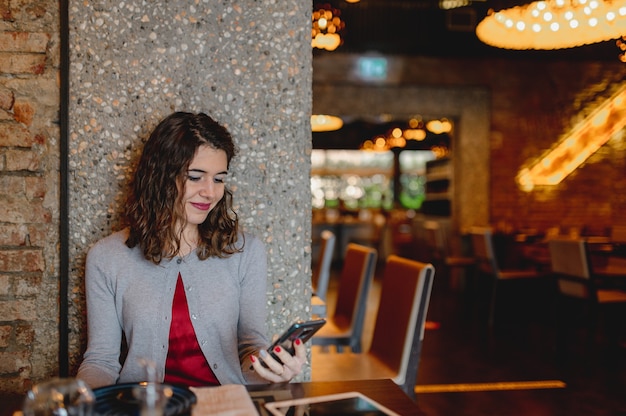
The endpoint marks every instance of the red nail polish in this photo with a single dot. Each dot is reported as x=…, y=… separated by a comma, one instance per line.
x=277, y=349
x=297, y=341
x=252, y=358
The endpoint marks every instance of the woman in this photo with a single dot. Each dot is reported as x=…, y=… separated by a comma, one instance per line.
x=183, y=285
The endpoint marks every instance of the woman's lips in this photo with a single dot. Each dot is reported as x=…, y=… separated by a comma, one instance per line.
x=202, y=207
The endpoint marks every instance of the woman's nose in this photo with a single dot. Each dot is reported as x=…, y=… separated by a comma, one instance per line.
x=208, y=189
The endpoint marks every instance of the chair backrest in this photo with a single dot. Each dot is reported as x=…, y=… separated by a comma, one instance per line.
x=401, y=317
x=358, y=269
x=568, y=258
x=435, y=239
x=321, y=273
x=482, y=244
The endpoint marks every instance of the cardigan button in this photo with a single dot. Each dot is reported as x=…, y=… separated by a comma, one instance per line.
x=215, y=366
x=179, y=260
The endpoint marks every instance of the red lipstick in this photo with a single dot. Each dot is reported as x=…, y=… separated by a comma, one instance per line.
x=201, y=207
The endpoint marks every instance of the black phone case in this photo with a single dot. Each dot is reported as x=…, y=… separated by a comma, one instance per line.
x=303, y=330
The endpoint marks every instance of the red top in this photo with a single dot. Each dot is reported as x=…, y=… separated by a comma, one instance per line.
x=185, y=364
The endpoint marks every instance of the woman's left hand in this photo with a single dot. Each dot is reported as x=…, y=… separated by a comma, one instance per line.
x=276, y=372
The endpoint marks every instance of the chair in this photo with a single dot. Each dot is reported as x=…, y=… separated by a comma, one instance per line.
x=576, y=279
x=345, y=326
x=440, y=251
x=321, y=272
x=398, y=331
x=487, y=263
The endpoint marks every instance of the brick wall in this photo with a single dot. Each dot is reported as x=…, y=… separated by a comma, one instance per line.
x=29, y=135
x=529, y=116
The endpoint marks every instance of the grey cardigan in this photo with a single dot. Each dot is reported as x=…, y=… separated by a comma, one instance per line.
x=128, y=294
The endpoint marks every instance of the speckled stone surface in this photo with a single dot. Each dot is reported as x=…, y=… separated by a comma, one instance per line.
x=246, y=63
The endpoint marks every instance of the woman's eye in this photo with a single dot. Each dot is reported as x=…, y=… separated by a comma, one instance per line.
x=218, y=179
x=194, y=178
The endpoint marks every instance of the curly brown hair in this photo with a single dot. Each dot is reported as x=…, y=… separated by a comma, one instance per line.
x=155, y=199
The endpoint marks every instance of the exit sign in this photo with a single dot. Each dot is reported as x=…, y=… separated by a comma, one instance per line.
x=372, y=68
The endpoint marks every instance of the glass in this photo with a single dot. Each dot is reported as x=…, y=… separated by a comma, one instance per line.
x=152, y=395
x=152, y=398
x=59, y=397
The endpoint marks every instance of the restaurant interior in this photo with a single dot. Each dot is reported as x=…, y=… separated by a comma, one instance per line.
x=399, y=172
x=434, y=144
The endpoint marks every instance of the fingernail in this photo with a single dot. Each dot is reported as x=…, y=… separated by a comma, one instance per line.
x=297, y=341
x=277, y=349
x=252, y=358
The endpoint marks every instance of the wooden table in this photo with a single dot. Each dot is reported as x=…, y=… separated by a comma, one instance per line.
x=517, y=250
x=385, y=392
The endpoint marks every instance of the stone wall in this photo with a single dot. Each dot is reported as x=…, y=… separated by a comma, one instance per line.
x=29, y=182
x=247, y=64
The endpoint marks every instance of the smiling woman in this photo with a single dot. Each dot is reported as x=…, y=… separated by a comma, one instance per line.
x=181, y=284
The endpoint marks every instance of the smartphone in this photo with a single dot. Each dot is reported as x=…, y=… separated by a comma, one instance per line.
x=303, y=330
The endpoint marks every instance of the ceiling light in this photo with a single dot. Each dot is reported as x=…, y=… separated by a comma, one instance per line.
x=453, y=4
x=439, y=126
x=326, y=25
x=323, y=122
x=554, y=24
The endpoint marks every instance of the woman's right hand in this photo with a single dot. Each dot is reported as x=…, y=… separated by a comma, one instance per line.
x=276, y=372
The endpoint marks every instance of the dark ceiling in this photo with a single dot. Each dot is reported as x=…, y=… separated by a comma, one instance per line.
x=421, y=27
x=355, y=132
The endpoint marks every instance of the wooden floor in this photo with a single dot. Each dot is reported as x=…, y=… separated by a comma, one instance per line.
x=514, y=369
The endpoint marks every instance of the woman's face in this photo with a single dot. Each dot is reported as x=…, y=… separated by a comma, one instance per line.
x=204, y=186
